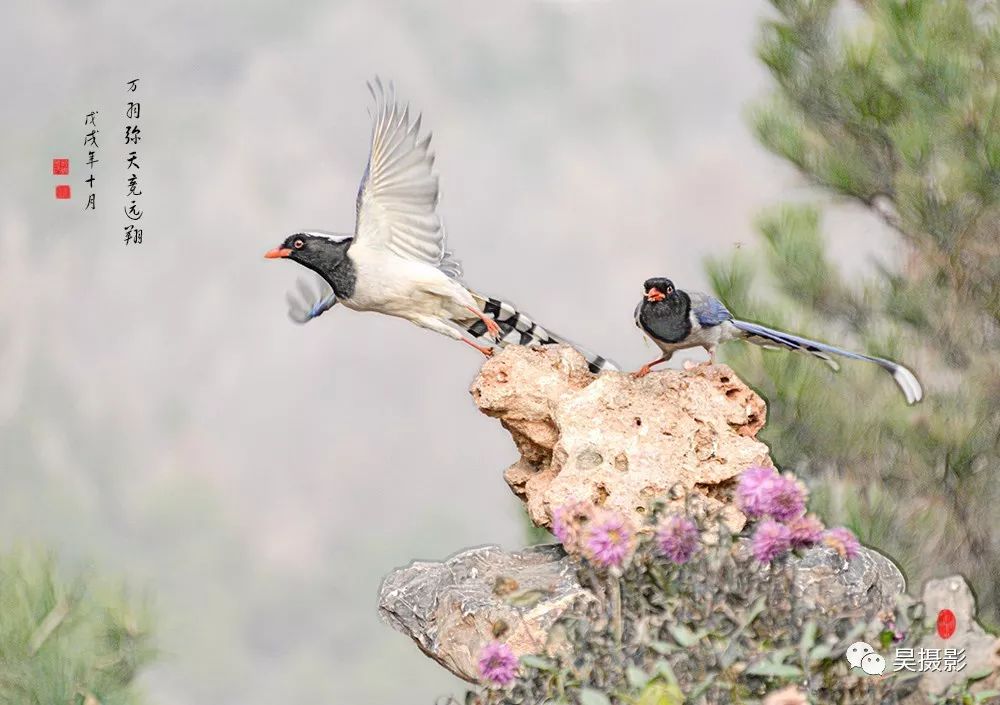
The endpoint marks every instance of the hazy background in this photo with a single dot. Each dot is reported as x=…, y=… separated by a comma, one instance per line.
x=161, y=418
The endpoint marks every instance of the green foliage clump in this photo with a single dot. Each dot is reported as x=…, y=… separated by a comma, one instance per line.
x=894, y=106
x=64, y=642
x=720, y=628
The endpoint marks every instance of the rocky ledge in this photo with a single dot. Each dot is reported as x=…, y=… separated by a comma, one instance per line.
x=677, y=438
x=451, y=608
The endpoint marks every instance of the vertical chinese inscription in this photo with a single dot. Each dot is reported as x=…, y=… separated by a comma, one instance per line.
x=133, y=136
x=90, y=143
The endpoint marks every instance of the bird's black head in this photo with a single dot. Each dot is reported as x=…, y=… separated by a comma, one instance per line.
x=319, y=251
x=658, y=289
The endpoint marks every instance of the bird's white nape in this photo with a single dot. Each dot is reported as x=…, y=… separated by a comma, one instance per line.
x=332, y=237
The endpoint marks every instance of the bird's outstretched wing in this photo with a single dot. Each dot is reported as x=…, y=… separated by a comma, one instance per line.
x=398, y=197
x=311, y=301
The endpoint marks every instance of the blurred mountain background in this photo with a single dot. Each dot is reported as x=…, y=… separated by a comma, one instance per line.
x=162, y=418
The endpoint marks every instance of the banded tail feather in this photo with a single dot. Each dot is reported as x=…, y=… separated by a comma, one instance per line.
x=518, y=329
x=762, y=335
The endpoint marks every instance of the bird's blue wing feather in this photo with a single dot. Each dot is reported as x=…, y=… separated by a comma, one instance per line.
x=708, y=310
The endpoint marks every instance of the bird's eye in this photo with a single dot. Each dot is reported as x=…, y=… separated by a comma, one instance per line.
x=298, y=244
x=670, y=290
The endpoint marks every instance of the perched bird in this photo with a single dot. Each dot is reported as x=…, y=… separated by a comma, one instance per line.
x=396, y=261
x=676, y=319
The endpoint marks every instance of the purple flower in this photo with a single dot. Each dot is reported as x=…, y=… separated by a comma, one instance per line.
x=763, y=492
x=752, y=492
x=843, y=541
x=497, y=664
x=677, y=538
x=609, y=539
x=786, y=498
x=566, y=523
x=897, y=634
x=807, y=530
x=771, y=540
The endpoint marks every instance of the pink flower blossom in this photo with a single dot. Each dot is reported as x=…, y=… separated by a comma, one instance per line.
x=763, y=492
x=567, y=521
x=770, y=540
x=897, y=634
x=786, y=498
x=751, y=492
x=677, y=538
x=843, y=541
x=807, y=530
x=497, y=664
x=609, y=539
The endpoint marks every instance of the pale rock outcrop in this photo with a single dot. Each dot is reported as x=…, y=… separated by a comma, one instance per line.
x=452, y=608
x=618, y=441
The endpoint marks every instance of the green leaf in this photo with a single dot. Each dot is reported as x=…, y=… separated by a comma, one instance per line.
x=666, y=672
x=755, y=610
x=701, y=688
x=808, y=636
x=984, y=695
x=660, y=693
x=527, y=598
x=774, y=670
x=589, y=696
x=662, y=647
x=808, y=641
x=637, y=678
x=820, y=652
x=855, y=633
x=684, y=636
x=533, y=661
x=779, y=655
x=979, y=674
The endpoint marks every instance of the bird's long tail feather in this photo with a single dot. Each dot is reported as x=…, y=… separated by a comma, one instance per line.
x=768, y=337
x=518, y=329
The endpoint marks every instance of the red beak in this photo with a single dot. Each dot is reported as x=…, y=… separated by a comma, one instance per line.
x=277, y=252
x=655, y=294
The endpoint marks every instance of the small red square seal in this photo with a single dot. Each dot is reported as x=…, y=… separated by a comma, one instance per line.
x=60, y=167
x=62, y=191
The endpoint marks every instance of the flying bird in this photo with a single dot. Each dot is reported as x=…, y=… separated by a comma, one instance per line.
x=396, y=262
x=675, y=320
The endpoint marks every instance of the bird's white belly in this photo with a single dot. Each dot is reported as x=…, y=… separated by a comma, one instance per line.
x=705, y=336
x=396, y=287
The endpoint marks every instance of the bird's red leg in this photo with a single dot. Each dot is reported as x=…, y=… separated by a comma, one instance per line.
x=488, y=352
x=711, y=356
x=491, y=326
x=648, y=367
